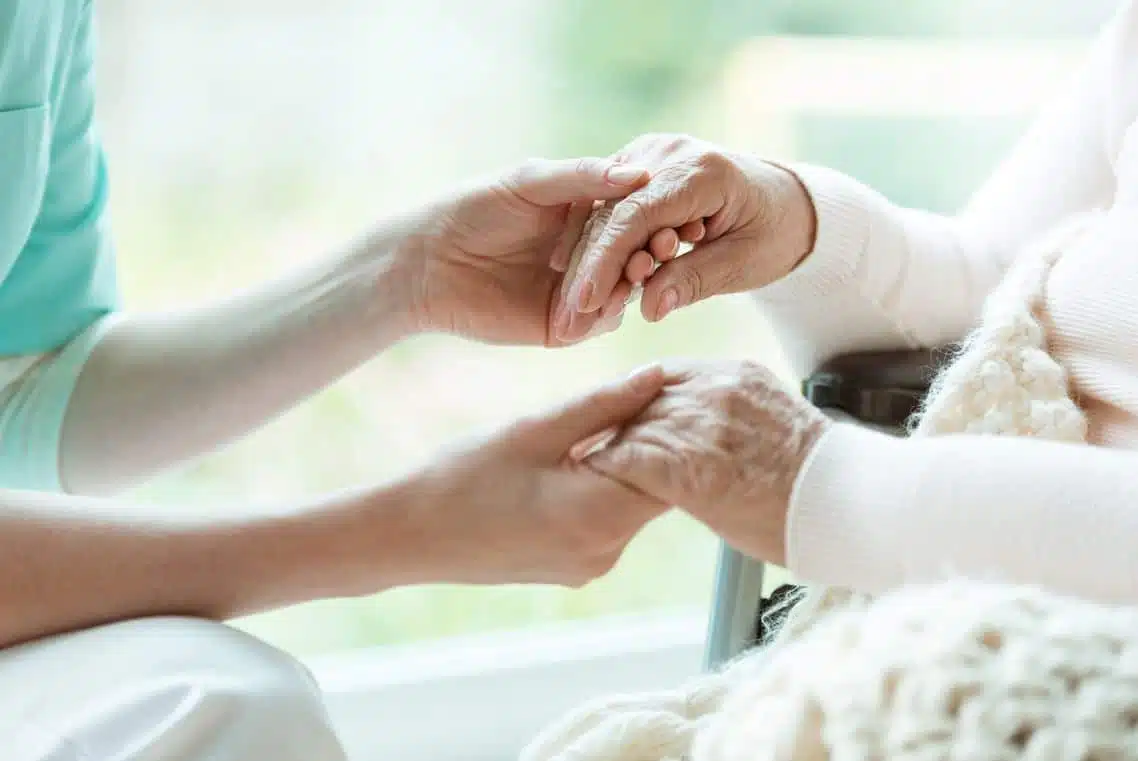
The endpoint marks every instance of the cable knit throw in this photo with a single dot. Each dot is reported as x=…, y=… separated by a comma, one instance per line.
x=956, y=671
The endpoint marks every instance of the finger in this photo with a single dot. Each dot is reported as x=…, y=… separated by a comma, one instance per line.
x=670, y=199
x=692, y=232
x=639, y=267
x=562, y=317
x=590, y=233
x=573, y=326
x=574, y=231
x=548, y=182
x=606, y=325
x=708, y=270
x=551, y=435
x=664, y=245
x=617, y=301
x=639, y=465
x=582, y=449
x=582, y=326
x=637, y=290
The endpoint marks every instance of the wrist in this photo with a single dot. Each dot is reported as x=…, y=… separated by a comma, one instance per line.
x=419, y=266
x=376, y=538
x=796, y=223
x=393, y=261
x=303, y=553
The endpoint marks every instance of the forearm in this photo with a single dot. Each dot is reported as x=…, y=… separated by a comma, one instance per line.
x=160, y=388
x=879, y=277
x=68, y=562
x=874, y=512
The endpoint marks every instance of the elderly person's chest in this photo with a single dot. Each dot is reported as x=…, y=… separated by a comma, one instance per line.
x=1092, y=310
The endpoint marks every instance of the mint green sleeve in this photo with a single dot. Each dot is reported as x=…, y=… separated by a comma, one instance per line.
x=62, y=291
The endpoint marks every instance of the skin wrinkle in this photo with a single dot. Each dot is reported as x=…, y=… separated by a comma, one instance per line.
x=725, y=442
x=756, y=219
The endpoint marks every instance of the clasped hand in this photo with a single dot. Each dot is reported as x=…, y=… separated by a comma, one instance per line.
x=538, y=501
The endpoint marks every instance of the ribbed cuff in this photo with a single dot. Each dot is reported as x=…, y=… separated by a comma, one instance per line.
x=31, y=422
x=844, y=209
x=839, y=521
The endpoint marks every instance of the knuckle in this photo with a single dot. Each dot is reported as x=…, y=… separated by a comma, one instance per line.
x=631, y=211
x=721, y=399
x=732, y=402
x=674, y=142
x=756, y=375
x=531, y=165
x=526, y=171
x=712, y=161
x=586, y=167
x=691, y=282
x=674, y=180
x=750, y=367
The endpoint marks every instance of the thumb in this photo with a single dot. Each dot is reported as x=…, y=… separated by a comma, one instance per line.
x=546, y=182
x=709, y=270
x=553, y=434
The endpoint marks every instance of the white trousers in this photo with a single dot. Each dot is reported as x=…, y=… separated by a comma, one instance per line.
x=160, y=689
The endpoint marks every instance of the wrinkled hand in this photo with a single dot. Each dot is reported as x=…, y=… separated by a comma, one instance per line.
x=724, y=441
x=484, y=260
x=514, y=508
x=750, y=221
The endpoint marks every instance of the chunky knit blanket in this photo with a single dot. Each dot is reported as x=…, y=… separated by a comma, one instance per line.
x=958, y=671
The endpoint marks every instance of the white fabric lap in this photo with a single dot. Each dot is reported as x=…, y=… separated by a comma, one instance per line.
x=160, y=689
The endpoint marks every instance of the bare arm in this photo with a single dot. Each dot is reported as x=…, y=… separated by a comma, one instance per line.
x=163, y=387
x=69, y=562
x=507, y=508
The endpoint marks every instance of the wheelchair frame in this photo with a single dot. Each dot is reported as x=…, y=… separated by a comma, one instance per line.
x=876, y=389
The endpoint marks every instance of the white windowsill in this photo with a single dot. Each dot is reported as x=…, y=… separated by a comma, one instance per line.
x=482, y=698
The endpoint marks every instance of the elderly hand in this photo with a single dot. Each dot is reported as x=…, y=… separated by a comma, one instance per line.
x=724, y=441
x=514, y=508
x=483, y=261
x=751, y=222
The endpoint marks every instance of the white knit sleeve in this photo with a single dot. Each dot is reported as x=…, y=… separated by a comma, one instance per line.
x=885, y=277
x=874, y=512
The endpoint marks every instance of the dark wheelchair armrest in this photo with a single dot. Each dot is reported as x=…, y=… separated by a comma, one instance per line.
x=883, y=389
x=879, y=388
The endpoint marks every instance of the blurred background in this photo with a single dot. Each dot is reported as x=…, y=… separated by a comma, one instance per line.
x=246, y=135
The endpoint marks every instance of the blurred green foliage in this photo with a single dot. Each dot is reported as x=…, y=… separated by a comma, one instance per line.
x=626, y=63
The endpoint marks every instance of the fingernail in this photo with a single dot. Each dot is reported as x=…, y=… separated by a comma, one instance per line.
x=574, y=329
x=644, y=372
x=668, y=302
x=622, y=174
x=582, y=450
x=561, y=328
x=584, y=295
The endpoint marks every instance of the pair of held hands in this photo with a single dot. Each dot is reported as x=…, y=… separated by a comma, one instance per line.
x=554, y=498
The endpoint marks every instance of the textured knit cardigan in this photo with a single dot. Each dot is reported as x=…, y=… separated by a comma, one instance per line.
x=955, y=671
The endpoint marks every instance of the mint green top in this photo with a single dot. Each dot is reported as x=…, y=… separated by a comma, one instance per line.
x=57, y=271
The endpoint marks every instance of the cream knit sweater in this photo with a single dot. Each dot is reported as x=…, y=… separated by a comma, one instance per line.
x=961, y=670
x=881, y=276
